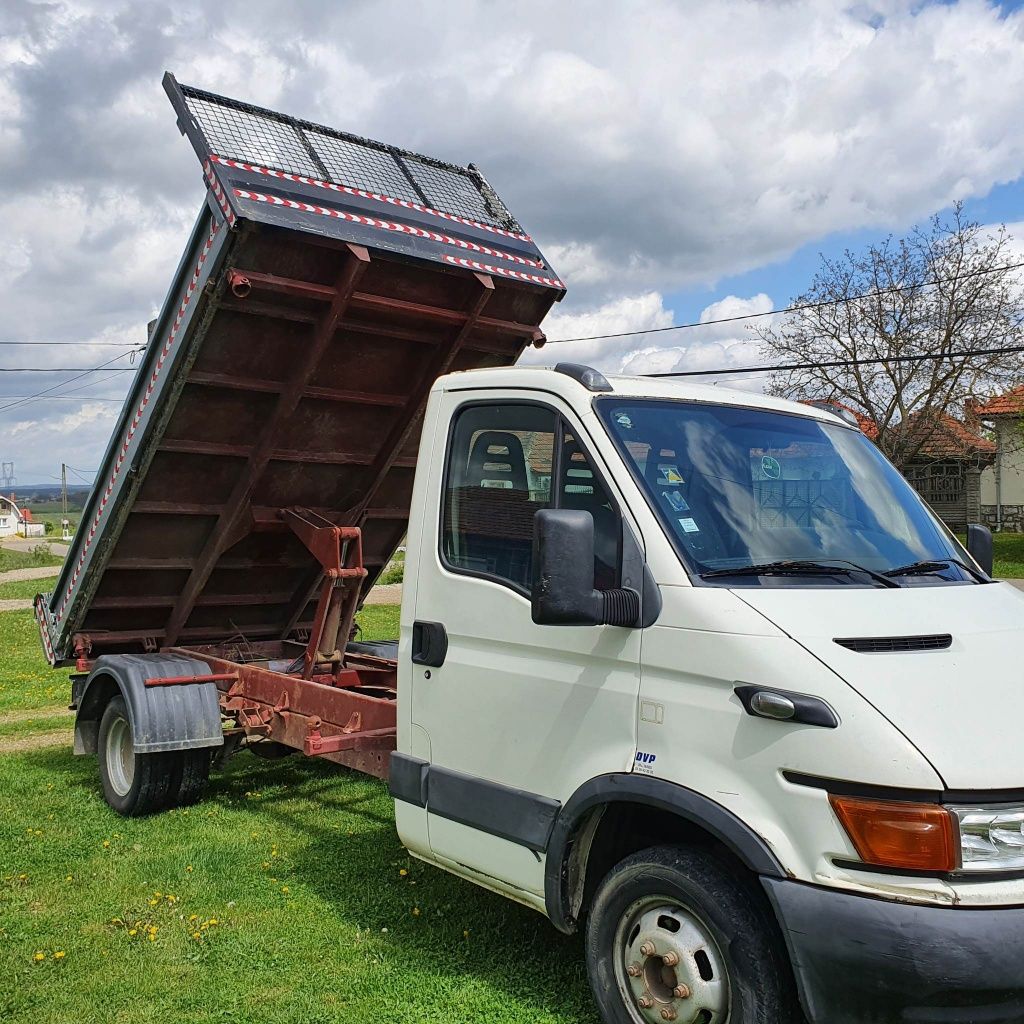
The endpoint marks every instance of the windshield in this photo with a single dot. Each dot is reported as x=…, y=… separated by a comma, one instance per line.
x=737, y=487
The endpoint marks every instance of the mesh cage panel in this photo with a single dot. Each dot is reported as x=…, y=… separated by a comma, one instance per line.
x=252, y=139
x=348, y=163
x=238, y=131
x=454, y=193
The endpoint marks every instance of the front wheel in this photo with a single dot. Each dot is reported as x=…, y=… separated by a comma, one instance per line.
x=674, y=936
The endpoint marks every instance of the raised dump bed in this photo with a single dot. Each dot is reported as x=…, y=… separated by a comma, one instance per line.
x=328, y=281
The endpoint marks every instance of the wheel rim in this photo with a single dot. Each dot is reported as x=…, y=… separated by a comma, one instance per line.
x=668, y=965
x=120, y=756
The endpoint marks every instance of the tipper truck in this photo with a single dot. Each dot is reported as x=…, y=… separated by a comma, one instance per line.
x=691, y=670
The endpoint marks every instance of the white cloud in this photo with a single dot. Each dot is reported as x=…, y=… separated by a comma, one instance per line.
x=649, y=146
x=708, y=346
x=630, y=314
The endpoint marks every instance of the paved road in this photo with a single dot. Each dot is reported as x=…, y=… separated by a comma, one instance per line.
x=40, y=572
x=27, y=544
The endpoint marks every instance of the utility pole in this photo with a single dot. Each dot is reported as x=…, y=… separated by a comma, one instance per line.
x=6, y=475
x=65, y=525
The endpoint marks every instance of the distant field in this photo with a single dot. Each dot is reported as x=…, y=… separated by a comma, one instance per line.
x=42, y=514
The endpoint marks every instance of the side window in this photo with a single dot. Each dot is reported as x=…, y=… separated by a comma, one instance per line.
x=580, y=488
x=505, y=462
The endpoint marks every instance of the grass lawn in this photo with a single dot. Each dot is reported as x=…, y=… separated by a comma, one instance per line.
x=39, y=555
x=25, y=588
x=305, y=905
x=1008, y=549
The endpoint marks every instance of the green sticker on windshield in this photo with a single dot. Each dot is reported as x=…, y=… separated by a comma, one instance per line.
x=770, y=467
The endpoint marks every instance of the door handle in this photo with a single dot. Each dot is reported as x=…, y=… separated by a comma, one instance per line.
x=429, y=644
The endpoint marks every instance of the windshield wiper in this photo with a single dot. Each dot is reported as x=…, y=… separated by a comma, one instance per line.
x=930, y=565
x=801, y=567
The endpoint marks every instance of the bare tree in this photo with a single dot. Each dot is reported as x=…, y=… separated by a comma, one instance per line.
x=943, y=289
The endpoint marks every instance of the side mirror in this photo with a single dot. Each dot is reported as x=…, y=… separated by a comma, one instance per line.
x=979, y=546
x=563, y=575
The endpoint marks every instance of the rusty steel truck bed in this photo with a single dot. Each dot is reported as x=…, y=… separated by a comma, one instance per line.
x=259, y=476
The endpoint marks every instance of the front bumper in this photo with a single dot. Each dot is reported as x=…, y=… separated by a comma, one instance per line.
x=859, y=960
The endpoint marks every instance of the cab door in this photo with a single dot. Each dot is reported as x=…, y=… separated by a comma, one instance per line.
x=517, y=716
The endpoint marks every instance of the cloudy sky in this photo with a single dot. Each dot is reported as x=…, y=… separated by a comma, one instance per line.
x=677, y=160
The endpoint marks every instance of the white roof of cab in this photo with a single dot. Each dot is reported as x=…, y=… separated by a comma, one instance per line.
x=546, y=378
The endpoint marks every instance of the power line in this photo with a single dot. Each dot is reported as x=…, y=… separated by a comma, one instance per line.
x=57, y=369
x=79, y=344
x=55, y=387
x=789, y=309
x=60, y=398
x=837, y=363
x=68, y=395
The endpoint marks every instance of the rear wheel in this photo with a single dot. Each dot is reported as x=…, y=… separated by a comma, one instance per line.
x=135, y=784
x=674, y=936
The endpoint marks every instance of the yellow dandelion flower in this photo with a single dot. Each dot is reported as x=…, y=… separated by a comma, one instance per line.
x=59, y=954
x=40, y=955
x=415, y=911
x=22, y=878
x=158, y=895
x=193, y=917
x=465, y=934
x=188, y=867
x=284, y=888
x=70, y=878
x=403, y=872
x=172, y=899
x=106, y=844
x=153, y=903
x=152, y=936
x=266, y=863
x=196, y=935
x=133, y=931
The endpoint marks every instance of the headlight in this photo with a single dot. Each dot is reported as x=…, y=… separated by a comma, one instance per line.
x=991, y=838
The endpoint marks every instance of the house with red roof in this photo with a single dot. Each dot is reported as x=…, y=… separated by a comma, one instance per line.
x=1002, y=484
x=950, y=465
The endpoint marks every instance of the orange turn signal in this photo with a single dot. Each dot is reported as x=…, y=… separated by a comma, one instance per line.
x=888, y=833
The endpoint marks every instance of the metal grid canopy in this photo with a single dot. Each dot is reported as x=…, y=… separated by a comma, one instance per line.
x=254, y=135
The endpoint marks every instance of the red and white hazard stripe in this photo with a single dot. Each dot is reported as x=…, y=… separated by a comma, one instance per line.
x=461, y=261
x=122, y=454
x=44, y=630
x=384, y=225
x=218, y=194
x=364, y=194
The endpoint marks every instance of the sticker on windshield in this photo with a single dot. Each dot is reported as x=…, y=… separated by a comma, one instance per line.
x=669, y=475
x=676, y=501
x=689, y=526
x=624, y=421
x=770, y=467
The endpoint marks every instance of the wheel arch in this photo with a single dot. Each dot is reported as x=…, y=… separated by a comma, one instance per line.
x=179, y=717
x=583, y=836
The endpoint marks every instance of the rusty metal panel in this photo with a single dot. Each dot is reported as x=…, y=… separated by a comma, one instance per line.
x=289, y=367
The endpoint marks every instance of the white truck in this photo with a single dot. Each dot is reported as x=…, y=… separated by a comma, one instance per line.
x=692, y=670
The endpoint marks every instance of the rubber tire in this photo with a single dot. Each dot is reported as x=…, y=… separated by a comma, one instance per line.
x=761, y=989
x=154, y=773
x=190, y=772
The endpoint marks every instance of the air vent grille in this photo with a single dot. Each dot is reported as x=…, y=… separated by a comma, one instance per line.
x=895, y=644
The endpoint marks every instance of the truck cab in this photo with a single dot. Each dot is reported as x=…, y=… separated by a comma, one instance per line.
x=698, y=671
